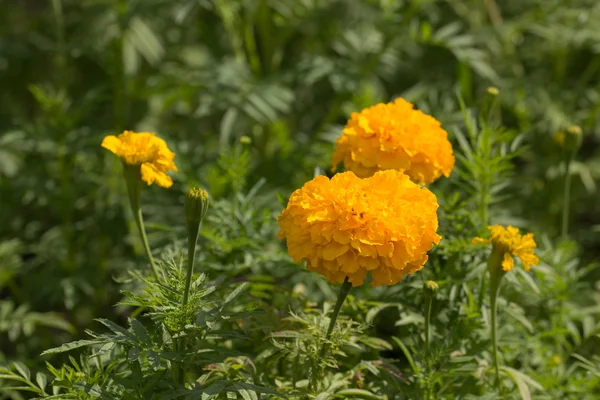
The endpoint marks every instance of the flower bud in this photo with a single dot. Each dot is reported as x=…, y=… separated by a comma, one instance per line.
x=245, y=140
x=573, y=138
x=431, y=287
x=196, y=205
x=570, y=139
x=493, y=91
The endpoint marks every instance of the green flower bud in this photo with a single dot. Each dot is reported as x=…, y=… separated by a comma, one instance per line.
x=431, y=287
x=573, y=138
x=493, y=91
x=196, y=205
x=245, y=140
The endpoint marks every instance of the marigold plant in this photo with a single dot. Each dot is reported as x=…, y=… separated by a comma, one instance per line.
x=395, y=136
x=348, y=226
x=509, y=242
x=146, y=150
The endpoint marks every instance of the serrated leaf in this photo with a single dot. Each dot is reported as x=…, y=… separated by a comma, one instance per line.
x=118, y=330
x=236, y=292
x=72, y=345
x=140, y=331
x=133, y=354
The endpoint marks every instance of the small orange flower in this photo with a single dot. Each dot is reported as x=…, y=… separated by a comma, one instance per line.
x=347, y=226
x=395, y=136
x=510, y=243
x=146, y=150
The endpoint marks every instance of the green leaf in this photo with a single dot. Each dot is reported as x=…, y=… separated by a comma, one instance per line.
x=236, y=292
x=140, y=331
x=362, y=394
x=407, y=354
x=118, y=330
x=22, y=369
x=41, y=380
x=523, y=382
x=376, y=343
x=133, y=354
x=73, y=345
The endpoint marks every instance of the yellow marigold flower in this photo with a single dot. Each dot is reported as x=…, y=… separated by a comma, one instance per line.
x=349, y=226
x=395, y=136
x=511, y=243
x=146, y=150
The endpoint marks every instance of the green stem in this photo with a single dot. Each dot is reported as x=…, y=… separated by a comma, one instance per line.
x=428, y=307
x=494, y=315
x=567, y=196
x=193, y=232
x=344, y=290
x=496, y=274
x=134, y=188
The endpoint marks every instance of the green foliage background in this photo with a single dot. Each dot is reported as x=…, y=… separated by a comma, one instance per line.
x=287, y=74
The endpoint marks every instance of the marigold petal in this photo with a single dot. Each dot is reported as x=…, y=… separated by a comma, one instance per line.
x=334, y=250
x=111, y=143
x=151, y=174
x=508, y=262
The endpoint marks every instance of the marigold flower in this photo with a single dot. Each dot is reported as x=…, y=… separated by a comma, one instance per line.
x=349, y=226
x=395, y=136
x=511, y=243
x=146, y=150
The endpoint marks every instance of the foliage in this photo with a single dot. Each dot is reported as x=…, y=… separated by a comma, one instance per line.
x=286, y=75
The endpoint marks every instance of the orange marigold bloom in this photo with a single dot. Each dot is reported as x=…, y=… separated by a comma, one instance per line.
x=395, y=136
x=349, y=226
x=146, y=150
x=511, y=243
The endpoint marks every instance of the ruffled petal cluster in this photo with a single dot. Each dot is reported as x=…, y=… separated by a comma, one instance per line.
x=511, y=243
x=395, y=136
x=146, y=150
x=348, y=226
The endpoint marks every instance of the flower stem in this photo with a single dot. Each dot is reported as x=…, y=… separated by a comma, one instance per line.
x=567, y=195
x=496, y=274
x=494, y=316
x=193, y=232
x=428, y=307
x=134, y=188
x=344, y=290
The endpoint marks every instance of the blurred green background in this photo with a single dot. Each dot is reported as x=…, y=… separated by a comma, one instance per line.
x=287, y=74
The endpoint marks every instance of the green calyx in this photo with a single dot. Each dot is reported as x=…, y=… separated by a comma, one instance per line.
x=196, y=205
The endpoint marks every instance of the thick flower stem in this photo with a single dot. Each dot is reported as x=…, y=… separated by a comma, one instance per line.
x=566, y=196
x=134, y=188
x=193, y=232
x=344, y=290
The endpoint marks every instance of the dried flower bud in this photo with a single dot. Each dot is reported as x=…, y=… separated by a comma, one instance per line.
x=196, y=205
x=431, y=287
